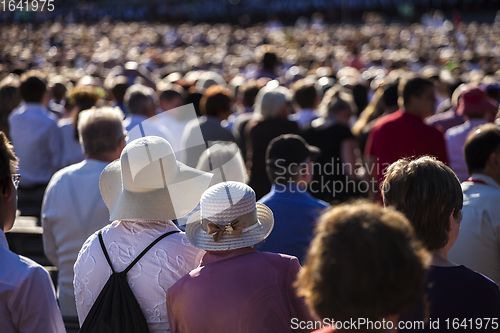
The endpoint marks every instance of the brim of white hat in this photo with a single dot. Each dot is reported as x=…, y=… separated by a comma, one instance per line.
x=179, y=198
x=201, y=240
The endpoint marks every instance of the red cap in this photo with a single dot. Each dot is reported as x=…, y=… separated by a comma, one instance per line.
x=475, y=102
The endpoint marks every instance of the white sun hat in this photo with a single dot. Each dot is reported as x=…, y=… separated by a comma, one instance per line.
x=229, y=218
x=148, y=183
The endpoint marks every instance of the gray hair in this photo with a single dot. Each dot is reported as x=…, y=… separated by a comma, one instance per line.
x=269, y=102
x=101, y=129
x=138, y=98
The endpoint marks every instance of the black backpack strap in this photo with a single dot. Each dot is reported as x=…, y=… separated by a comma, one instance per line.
x=104, y=250
x=147, y=249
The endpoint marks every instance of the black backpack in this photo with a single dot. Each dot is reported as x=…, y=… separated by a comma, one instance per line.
x=116, y=309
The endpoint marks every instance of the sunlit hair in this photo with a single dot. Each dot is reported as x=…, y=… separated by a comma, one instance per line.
x=427, y=192
x=33, y=86
x=8, y=161
x=101, y=129
x=372, y=111
x=364, y=262
x=270, y=101
x=480, y=144
x=215, y=101
x=336, y=99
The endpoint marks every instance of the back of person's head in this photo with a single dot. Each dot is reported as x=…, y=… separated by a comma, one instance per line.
x=33, y=87
x=304, y=94
x=60, y=86
x=119, y=87
x=427, y=192
x=10, y=96
x=208, y=79
x=101, y=130
x=171, y=95
x=216, y=101
x=270, y=101
x=480, y=144
x=288, y=157
x=269, y=60
x=414, y=87
x=248, y=92
x=390, y=96
x=84, y=97
x=364, y=262
x=139, y=98
x=225, y=156
x=336, y=100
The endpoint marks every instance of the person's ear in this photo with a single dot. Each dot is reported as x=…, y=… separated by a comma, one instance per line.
x=7, y=190
x=451, y=219
x=494, y=161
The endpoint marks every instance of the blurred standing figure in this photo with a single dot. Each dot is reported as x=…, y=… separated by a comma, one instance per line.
x=27, y=297
x=10, y=98
x=37, y=142
x=306, y=98
x=477, y=108
x=404, y=133
x=170, y=114
x=334, y=174
x=141, y=105
x=216, y=106
x=478, y=245
x=73, y=208
x=270, y=121
x=81, y=98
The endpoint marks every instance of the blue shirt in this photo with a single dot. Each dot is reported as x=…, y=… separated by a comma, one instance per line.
x=37, y=142
x=295, y=213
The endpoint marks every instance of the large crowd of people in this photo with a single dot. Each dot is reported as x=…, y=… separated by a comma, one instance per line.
x=254, y=141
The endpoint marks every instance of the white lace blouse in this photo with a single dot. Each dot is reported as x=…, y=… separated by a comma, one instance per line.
x=149, y=279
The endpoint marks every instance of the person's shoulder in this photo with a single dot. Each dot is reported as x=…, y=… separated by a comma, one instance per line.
x=24, y=268
x=432, y=130
x=476, y=280
x=387, y=120
x=66, y=172
x=276, y=258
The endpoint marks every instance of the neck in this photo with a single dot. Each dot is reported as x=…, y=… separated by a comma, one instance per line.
x=491, y=173
x=413, y=112
x=103, y=157
x=440, y=258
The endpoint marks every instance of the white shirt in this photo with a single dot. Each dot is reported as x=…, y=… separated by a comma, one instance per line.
x=27, y=296
x=149, y=279
x=139, y=126
x=72, y=210
x=175, y=126
x=37, y=143
x=455, y=140
x=73, y=151
x=478, y=244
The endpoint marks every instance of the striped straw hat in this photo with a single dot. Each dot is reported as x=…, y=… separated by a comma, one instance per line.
x=229, y=218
